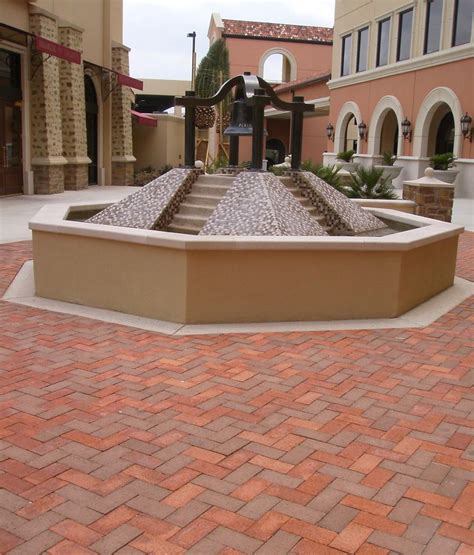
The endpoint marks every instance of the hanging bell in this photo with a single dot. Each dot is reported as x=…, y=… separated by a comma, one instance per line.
x=241, y=122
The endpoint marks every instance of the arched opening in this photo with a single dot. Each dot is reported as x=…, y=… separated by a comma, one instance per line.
x=92, y=117
x=389, y=134
x=351, y=136
x=277, y=68
x=442, y=128
x=275, y=152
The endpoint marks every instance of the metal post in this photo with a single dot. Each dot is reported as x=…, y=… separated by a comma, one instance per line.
x=234, y=150
x=296, y=135
x=189, y=133
x=193, y=61
x=258, y=129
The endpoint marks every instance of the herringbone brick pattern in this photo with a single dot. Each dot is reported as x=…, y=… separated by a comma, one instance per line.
x=118, y=440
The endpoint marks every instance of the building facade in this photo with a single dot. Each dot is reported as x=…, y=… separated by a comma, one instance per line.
x=304, y=55
x=405, y=69
x=65, y=102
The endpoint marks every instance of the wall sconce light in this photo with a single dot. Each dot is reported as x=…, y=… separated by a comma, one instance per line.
x=406, y=129
x=466, y=126
x=362, y=127
x=330, y=131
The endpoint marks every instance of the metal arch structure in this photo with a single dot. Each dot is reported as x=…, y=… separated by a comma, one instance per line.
x=257, y=93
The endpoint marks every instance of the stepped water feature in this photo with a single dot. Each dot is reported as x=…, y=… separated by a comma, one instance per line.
x=194, y=248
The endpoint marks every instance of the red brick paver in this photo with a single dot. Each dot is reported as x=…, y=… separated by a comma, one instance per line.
x=114, y=439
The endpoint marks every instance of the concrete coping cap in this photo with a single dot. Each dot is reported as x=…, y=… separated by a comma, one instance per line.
x=429, y=180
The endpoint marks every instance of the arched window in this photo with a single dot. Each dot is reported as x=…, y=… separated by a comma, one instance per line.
x=445, y=135
x=92, y=113
x=351, y=136
x=277, y=69
x=275, y=152
x=389, y=134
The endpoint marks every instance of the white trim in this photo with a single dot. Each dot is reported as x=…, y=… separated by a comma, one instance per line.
x=384, y=105
x=453, y=54
x=284, y=52
x=347, y=110
x=431, y=102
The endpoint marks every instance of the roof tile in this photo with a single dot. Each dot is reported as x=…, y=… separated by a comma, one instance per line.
x=261, y=30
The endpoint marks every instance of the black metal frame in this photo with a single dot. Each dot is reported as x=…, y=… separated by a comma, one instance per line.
x=258, y=94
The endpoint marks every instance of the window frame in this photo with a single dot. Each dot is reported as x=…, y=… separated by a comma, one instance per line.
x=380, y=22
x=343, y=53
x=427, y=27
x=359, y=33
x=455, y=21
x=400, y=15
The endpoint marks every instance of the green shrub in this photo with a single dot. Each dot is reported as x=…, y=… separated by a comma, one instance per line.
x=218, y=163
x=442, y=161
x=149, y=173
x=278, y=171
x=369, y=183
x=329, y=174
x=388, y=159
x=345, y=155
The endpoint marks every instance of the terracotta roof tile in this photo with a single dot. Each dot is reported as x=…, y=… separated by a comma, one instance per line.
x=304, y=81
x=280, y=31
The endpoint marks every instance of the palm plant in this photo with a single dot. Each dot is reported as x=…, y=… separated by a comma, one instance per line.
x=388, y=159
x=442, y=161
x=345, y=155
x=329, y=174
x=368, y=183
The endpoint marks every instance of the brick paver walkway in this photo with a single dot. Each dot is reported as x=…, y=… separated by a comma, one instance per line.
x=117, y=440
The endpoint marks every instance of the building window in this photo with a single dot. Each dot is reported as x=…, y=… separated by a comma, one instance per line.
x=462, y=22
x=362, y=49
x=383, y=42
x=405, y=24
x=434, y=12
x=346, y=55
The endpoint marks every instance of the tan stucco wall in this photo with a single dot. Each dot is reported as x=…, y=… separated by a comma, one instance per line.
x=212, y=286
x=160, y=145
x=126, y=277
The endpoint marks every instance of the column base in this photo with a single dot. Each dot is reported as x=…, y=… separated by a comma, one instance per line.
x=122, y=173
x=76, y=177
x=48, y=180
x=431, y=202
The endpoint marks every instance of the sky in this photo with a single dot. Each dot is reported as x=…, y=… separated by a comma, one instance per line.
x=156, y=30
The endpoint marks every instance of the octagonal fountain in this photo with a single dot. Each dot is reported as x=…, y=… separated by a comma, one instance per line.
x=195, y=249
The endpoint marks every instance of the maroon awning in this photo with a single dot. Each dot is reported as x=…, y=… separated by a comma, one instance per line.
x=58, y=50
x=143, y=119
x=129, y=81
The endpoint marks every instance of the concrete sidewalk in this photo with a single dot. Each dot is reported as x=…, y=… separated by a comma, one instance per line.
x=17, y=211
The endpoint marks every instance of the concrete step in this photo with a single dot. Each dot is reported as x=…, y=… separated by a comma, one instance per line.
x=183, y=229
x=186, y=220
x=215, y=180
x=209, y=189
x=210, y=201
x=189, y=209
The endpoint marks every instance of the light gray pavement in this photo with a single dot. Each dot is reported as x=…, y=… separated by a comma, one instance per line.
x=17, y=211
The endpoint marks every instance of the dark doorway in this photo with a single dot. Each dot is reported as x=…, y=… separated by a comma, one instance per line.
x=92, y=116
x=445, y=135
x=275, y=152
x=11, y=165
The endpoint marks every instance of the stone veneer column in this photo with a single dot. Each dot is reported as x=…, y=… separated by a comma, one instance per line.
x=46, y=134
x=122, y=143
x=73, y=113
x=434, y=198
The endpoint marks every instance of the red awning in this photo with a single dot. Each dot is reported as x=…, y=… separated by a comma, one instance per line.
x=129, y=81
x=144, y=119
x=58, y=50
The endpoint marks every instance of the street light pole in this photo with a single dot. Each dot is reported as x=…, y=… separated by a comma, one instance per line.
x=193, y=69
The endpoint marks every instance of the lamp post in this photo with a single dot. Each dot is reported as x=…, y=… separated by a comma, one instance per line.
x=193, y=64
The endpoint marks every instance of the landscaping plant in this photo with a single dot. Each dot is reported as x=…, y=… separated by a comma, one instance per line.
x=368, y=183
x=329, y=174
x=388, y=159
x=345, y=155
x=442, y=161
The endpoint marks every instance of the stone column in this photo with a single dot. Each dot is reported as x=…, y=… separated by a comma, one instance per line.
x=122, y=144
x=46, y=134
x=73, y=113
x=433, y=198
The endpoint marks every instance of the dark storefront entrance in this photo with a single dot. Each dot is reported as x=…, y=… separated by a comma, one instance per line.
x=11, y=167
x=92, y=111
